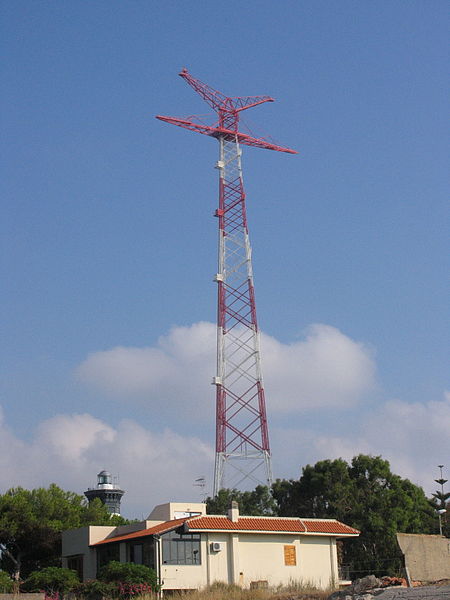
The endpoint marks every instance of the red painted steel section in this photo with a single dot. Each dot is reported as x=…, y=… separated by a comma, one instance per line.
x=227, y=132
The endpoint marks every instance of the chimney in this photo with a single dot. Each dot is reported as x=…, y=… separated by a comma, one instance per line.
x=233, y=512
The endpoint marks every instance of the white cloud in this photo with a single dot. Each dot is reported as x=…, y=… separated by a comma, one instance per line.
x=156, y=467
x=414, y=437
x=325, y=369
x=71, y=449
x=176, y=373
x=69, y=436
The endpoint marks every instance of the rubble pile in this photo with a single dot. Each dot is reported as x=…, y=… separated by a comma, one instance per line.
x=367, y=588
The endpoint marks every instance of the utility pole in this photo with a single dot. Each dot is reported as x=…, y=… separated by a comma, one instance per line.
x=242, y=439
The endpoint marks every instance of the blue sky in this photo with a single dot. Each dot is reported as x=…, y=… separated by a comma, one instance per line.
x=109, y=244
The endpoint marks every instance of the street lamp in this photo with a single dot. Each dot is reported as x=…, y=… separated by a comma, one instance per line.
x=440, y=512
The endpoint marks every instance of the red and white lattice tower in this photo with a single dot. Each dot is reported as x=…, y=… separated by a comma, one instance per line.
x=242, y=440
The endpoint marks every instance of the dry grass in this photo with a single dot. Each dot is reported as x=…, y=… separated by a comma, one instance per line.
x=231, y=592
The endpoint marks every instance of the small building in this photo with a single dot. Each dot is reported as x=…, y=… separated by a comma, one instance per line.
x=190, y=549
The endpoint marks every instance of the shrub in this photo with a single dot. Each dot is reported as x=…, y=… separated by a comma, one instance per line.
x=95, y=590
x=6, y=583
x=52, y=580
x=130, y=578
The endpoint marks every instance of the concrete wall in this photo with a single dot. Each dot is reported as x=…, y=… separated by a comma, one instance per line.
x=37, y=596
x=76, y=542
x=427, y=557
x=173, y=510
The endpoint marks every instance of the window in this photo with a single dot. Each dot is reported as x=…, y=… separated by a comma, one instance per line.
x=142, y=553
x=136, y=554
x=181, y=549
x=76, y=564
x=290, y=559
x=106, y=554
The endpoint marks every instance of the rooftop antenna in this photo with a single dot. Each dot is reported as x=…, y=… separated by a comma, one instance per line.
x=201, y=483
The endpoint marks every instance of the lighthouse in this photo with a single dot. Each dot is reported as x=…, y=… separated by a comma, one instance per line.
x=108, y=492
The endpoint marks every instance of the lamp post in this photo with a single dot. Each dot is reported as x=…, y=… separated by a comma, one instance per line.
x=440, y=512
x=442, y=497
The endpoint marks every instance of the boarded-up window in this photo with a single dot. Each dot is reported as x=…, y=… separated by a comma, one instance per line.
x=289, y=556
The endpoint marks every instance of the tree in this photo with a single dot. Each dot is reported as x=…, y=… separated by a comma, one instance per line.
x=130, y=578
x=256, y=502
x=53, y=580
x=440, y=503
x=366, y=495
x=31, y=522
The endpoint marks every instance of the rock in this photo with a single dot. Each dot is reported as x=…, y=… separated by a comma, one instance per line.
x=369, y=582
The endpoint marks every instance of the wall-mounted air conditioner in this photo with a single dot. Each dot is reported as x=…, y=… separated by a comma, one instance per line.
x=216, y=546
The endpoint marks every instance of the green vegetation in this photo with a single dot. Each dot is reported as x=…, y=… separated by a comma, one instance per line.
x=6, y=583
x=129, y=577
x=31, y=522
x=94, y=590
x=364, y=494
x=259, y=502
x=441, y=501
x=53, y=580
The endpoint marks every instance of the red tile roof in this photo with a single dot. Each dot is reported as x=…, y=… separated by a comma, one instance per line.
x=272, y=524
x=328, y=526
x=155, y=530
x=247, y=524
x=256, y=524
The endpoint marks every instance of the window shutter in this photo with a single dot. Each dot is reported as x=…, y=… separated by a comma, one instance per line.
x=289, y=556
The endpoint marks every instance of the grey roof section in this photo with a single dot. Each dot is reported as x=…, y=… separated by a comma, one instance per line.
x=427, y=557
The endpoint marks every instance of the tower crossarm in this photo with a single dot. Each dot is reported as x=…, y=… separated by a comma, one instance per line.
x=227, y=134
x=220, y=102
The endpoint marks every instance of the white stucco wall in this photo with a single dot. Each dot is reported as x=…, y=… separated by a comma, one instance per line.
x=219, y=565
x=261, y=557
x=318, y=561
x=245, y=558
x=183, y=577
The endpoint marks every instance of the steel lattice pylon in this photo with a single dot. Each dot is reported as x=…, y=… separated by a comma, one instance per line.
x=242, y=439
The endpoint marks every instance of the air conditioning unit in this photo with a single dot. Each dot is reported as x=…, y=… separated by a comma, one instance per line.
x=216, y=546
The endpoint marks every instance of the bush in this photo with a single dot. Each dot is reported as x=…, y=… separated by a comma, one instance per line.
x=52, y=580
x=6, y=583
x=95, y=590
x=130, y=578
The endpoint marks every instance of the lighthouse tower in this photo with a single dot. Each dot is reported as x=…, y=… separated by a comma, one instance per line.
x=108, y=492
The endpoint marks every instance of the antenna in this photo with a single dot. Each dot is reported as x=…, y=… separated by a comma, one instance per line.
x=242, y=439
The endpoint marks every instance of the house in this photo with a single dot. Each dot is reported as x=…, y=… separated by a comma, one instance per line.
x=190, y=549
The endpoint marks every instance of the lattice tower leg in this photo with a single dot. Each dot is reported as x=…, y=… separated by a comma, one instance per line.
x=242, y=442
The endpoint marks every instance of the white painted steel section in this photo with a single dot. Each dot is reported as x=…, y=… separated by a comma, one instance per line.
x=238, y=349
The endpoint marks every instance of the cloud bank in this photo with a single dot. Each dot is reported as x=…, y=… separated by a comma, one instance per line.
x=70, y=450
x=326, y=368
x=413, y=437
x=156, y=467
